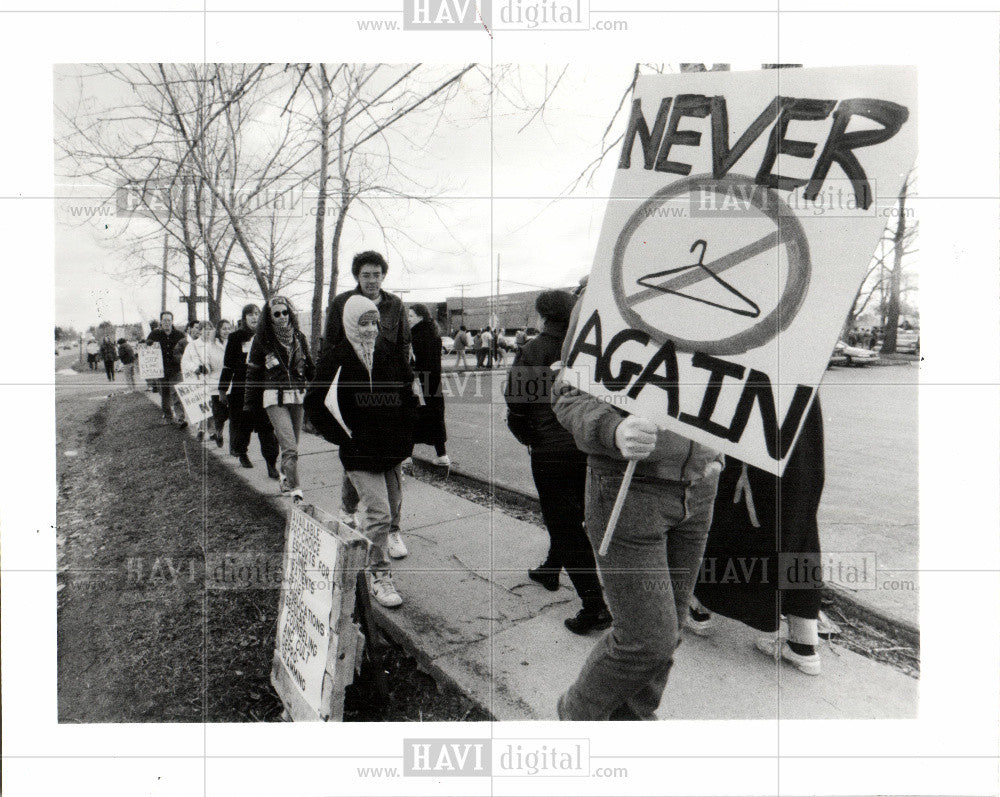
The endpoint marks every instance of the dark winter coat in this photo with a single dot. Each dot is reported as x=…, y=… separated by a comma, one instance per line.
x=108, y=352
x=167, y=344
x=529, y=393
x=291, y=372
x=126, y=354
x=375, y=428
x=234, y=361
x=426, y=344
x=743, y=569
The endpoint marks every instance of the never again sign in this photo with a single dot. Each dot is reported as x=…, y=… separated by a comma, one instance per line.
x=743, y=215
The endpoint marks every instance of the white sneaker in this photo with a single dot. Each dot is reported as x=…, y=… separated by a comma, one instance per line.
x=297, y=496
x=395, y=546
x=776, y=648
x=444, y=461
x=348, y=519
x=384, y=591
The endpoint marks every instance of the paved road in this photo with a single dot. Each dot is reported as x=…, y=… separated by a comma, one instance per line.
x=870, y=501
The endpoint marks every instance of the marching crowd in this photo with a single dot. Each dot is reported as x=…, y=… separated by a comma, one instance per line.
x=375, y=390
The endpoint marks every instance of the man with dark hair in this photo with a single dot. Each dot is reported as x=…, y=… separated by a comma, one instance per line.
x=168, y=338
x=369, y=269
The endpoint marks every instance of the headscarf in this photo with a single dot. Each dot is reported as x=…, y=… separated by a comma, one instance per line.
x=356, y=307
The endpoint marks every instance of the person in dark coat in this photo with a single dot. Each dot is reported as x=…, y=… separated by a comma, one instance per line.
x=762, y=526
x=109, y=354
x=127, y=356
x=369, y=269
x=232, y=391
x=167, y=337
x=558, y=467
x=426, y=343
x=362, y=400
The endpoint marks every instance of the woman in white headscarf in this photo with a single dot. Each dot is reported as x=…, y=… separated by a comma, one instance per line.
x=362, y=400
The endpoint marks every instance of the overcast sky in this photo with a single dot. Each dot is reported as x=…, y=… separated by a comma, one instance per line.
x=506, y=205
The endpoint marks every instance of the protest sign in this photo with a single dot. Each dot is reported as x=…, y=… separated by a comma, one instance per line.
x=150, y=362
x=727, y=262
x=197, y=400
x=317, y=644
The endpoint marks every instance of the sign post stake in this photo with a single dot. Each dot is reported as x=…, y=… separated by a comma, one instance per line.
x=616, y=510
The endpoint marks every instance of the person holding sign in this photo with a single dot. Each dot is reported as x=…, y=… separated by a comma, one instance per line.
x=196, y=363
x=363, y=401
x=650, y=569
x=278, y=371
x=168, y=337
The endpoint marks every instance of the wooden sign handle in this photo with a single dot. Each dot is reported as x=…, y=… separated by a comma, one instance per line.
x=617, y=509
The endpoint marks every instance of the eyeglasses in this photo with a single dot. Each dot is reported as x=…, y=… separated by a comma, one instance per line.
x=279, y=313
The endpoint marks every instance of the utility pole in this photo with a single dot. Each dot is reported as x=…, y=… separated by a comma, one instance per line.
x=163, y=287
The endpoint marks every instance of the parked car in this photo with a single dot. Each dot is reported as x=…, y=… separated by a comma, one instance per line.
x=447, y=344
x=851, y=355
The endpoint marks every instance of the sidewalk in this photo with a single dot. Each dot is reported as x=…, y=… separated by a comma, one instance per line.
x=869, y=499
x=472, y=617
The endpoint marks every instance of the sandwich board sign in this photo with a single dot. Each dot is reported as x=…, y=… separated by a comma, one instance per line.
x=317, y=645
x=150, y=362
x=743, y=215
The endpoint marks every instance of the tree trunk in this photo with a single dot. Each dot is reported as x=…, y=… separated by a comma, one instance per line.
x=192, y=301
x=320, y=269
x=895, y=278
x=338, y=229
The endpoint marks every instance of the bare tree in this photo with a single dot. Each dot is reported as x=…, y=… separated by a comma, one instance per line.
x=354, y=107
x=902, y=239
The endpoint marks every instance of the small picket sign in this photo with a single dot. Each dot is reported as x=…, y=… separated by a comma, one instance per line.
x=150, y=362
x=197, y=400
x=318, y=645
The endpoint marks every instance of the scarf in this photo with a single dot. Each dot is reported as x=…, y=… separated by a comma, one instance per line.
x=284, y=335
x=356, y=307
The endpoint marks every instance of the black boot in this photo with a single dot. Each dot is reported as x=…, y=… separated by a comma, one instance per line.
x=547, y=575
x=589, y=618
x=245, y=461
x=272, y=471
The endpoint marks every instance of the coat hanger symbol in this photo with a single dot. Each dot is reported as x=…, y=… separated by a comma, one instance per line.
x=665, y=287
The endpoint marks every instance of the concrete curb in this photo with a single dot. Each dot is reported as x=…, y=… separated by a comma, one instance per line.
x=893, y=626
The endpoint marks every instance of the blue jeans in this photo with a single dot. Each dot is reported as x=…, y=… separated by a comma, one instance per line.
x=648, y=577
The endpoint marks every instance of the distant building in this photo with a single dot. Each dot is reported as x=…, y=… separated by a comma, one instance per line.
x=511, y=310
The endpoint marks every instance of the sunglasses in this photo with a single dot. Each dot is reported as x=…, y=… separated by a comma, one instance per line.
x=279, y=313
